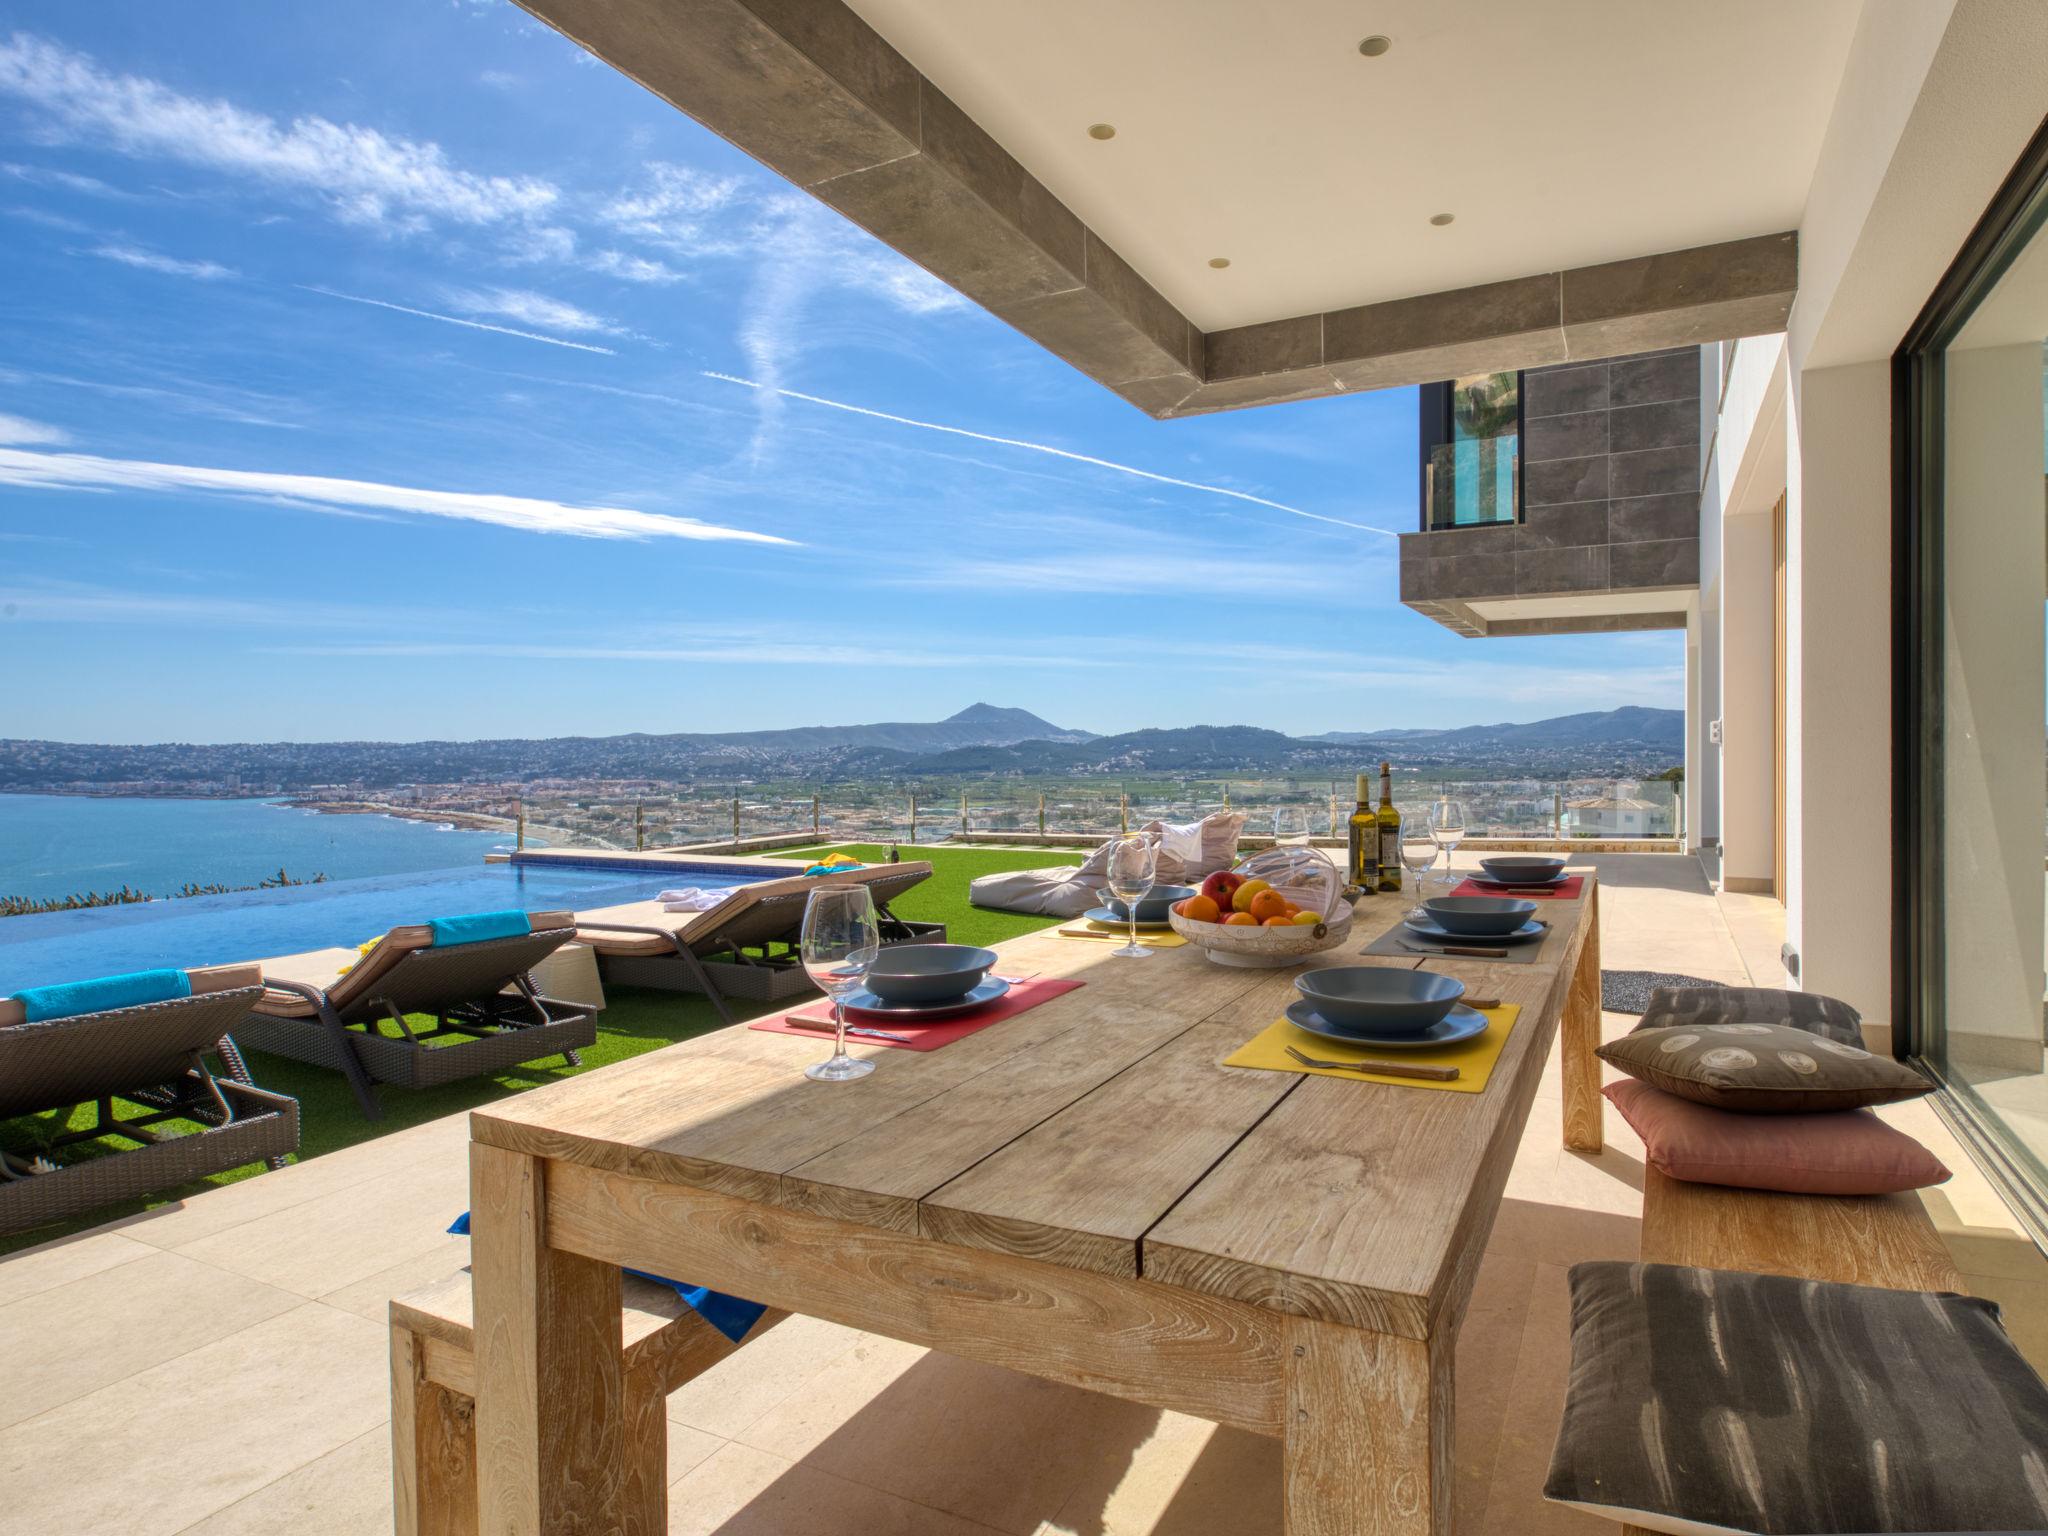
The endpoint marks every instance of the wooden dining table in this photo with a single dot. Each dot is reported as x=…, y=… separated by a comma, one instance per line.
x=1083, y=1192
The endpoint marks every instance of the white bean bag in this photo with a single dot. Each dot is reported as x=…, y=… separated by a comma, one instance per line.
x=1186, y=854
x=1062, y=891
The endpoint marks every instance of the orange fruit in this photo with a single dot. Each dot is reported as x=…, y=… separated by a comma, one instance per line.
x=1241, y=920
x=1268, y=903
x=1200, y=909
x=1278, y=922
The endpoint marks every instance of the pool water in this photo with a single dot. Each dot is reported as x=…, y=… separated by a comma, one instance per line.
x=44, y=948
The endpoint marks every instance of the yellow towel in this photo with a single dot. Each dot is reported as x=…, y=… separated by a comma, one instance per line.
x=1267, y=1052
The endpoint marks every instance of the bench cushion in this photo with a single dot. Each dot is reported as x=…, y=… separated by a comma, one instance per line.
x=1763, y=1069
x=1813, y=1012
x=1705, y=1400
x=1843, y=1152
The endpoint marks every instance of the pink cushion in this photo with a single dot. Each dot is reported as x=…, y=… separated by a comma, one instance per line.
x=1842, y=1152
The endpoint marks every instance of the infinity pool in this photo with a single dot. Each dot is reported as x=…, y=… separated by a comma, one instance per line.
x=44, y=948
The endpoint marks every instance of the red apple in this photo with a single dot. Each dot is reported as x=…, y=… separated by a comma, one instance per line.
x=1221, y=886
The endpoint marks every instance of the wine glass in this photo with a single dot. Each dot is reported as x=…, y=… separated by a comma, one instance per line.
x=1447, y=826
x=1290, y=825
x=840, y=941
x=1133, y=862
x=1419, y=852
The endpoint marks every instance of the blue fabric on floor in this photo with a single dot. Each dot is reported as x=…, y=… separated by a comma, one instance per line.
x=728, y=1314
x=103, y=995
x=478, y=926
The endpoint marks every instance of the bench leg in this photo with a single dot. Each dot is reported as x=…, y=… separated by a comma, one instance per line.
x=433, y=1449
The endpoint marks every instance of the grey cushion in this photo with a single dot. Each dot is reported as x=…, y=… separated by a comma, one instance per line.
x=1061, y=891
x=1817, y=1014
x=1762, y=1069
x=1702, y=1399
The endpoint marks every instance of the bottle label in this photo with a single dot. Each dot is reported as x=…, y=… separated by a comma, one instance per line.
x=1390, y=848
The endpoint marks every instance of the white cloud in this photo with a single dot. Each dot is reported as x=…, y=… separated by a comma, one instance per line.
x=156, y=261
x=634, y=269
x=365, y=176
x=675, y=208
x=19, y=429
x=795, y=652
x=474, y=325
x=69, y=181
x=76, y=471
x=530, y=308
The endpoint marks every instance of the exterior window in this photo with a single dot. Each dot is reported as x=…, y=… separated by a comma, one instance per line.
x=1471, y=451
x=1972, y=564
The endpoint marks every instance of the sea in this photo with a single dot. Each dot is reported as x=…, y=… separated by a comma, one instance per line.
x=54, y=845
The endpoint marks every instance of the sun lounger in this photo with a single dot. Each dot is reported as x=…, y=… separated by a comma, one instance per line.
x=145, y=1047
x=729, y=950
x=468, y=974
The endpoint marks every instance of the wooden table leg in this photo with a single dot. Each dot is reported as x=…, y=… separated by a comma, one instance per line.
x=1580, y=1029
x=550, y=1410
x=1367, y=1442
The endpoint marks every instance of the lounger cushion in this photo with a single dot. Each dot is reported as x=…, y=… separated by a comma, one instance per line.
x=103, y=994
x=1062, y=891
x=1705, y=1400
x=475, y=927
x=210, y=978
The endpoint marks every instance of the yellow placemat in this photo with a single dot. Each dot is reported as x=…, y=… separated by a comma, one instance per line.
x=1117, y=931
x=1267, y=1052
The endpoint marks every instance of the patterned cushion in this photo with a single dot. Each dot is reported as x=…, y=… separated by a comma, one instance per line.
x=1810, y=1011
x=1702, y=1400
x=1843, y=1152
x=1762, y=1069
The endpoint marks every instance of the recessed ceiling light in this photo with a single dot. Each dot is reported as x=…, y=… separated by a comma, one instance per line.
x=1219, y=262
x=1375, y=45
x=1441, y=219
x=1102, y=130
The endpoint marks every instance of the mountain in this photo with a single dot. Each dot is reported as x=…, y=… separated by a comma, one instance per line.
x=981, y=741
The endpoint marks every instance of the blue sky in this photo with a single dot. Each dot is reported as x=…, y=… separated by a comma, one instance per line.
x=394, y=370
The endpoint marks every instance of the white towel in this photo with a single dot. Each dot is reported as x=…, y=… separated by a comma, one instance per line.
x=691, y=899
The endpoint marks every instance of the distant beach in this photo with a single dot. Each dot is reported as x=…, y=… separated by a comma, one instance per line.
x=53, y=845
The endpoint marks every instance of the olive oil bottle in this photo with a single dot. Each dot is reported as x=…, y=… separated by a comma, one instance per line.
x=1387, y=830
x=1362, y=868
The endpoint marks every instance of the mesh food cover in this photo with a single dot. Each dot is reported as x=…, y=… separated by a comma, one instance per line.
x=1305, y=876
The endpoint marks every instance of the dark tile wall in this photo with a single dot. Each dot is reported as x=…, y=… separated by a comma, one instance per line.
x=1610, y=491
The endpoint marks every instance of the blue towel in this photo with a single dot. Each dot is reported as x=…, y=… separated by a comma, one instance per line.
x=728, y=1314
x=104, y=995
x=478, y=926
x=831, y=869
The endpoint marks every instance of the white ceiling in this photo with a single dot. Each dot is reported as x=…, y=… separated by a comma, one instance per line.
x=1560, y=132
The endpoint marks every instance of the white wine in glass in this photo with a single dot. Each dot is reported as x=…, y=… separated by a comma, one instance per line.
x=839, y=943
x=1133, y=865
x=1447, y=826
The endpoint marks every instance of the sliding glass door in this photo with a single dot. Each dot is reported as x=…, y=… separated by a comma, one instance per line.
x=1974, y=674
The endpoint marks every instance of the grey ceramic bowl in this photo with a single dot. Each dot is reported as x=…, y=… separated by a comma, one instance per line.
x=1151, y=906
x=1380, y=1001
x=1479, y=917
x=1523, y=866
x=928, y=973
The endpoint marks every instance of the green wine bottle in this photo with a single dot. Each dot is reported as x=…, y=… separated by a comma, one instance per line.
x=1362, y=868
x=1387, y=825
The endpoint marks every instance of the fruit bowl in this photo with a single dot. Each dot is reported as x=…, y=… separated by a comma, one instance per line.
x=1297, y=909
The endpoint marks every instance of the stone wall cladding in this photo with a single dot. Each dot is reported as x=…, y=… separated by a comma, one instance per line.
x=1610, y=491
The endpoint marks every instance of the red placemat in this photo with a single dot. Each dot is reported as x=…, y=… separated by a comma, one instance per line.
x=1566, y=889
x=1021, y=998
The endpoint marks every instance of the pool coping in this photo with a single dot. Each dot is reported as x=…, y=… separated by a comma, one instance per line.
x=654, y=860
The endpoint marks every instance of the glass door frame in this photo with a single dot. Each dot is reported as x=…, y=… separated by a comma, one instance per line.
x=1919, y=386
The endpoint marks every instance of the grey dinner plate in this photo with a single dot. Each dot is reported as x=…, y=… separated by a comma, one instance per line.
x=867, y=1003
x=1104, y=915
x=1519, y=883
x=1461, y=1023
x=1436, y=933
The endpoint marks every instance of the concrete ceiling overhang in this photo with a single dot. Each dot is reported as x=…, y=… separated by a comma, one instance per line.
x=814, y=92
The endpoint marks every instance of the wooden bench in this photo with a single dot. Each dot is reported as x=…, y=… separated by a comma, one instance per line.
x=433, y=1397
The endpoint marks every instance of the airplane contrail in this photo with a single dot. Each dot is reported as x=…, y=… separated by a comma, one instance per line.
x=1058, y=453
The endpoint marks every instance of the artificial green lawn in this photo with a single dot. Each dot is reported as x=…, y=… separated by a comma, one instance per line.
x=635, y=1019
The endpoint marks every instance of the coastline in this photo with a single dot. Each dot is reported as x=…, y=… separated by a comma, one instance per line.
x=468, y=821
